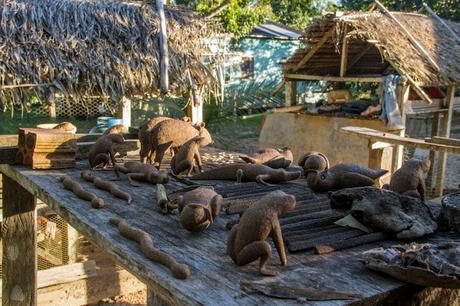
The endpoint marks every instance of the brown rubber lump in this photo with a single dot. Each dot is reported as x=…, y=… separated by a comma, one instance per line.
x=178, y=270
x=105, y=185
x=76, y=188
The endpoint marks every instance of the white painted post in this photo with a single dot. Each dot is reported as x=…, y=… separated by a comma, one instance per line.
x=125, y=111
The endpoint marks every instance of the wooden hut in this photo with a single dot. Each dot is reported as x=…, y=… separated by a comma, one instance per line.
x=73, y=50
x=363, y=47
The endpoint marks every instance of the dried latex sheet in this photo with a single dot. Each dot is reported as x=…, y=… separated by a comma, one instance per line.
x=386, y=211
x=426, y=265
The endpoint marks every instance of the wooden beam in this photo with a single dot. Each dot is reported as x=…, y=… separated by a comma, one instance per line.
x=344, y=57
x=306, y=77
x=452, y=32
x=358, y=56
x=315, y=48
x=444, y=140
x=412, y=39
x=19, y=241
x=375, y=136
x=445, y=131
x=164, y=55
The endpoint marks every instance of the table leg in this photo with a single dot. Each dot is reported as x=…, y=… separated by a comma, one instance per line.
x=19, y=284
x=155, y=299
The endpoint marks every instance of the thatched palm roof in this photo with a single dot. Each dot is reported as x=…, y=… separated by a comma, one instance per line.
x=386, y=44
x=95, y=47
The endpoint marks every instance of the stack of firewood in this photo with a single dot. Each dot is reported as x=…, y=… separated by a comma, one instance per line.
x=46, y=149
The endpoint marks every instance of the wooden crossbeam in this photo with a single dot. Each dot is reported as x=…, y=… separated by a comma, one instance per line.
x=315, y=48
x=306, y=77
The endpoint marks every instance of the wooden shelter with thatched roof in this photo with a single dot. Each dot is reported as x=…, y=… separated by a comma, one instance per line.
x=110, y=49
x=364, y=47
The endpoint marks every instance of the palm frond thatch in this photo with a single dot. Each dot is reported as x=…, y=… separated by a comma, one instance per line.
x=102, y=47
x=387, y=45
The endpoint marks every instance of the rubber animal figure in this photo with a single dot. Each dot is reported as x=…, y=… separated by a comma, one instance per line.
x=246, y=240
x=342, y=176
x=198, y=208
x=247, y=173
x=410, y=178
x=144, y=136
x=102, y=152
x=188, y=156
x=116, y=129
x=172, y=134
x=314, y=161
x=66, y=127
x=274, y=158
x=142, y=172
x=178, y=270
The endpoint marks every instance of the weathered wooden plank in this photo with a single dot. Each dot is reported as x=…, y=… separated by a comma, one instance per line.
x=444, y=140
x=214, y=277
x=19, y=281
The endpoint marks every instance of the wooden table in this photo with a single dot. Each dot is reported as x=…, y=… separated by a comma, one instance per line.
x=214, y=277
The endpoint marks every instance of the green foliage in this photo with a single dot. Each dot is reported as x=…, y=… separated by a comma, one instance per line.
x=296, y=13
x=449, y=9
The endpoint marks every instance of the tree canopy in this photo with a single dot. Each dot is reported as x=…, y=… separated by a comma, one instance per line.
x=240, y=16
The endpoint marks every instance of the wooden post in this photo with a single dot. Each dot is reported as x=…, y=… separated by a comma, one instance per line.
x=19, y=282
x=445, y=131
x=343, y=62
x=402, y=92
x=290, y=93
x=164, y=56
x=434, y=132
x=195, y=106
x=125, y=111
x=52, y=110
x=70, y=244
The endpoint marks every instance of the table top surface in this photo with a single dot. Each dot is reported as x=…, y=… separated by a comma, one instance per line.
x=214, y=278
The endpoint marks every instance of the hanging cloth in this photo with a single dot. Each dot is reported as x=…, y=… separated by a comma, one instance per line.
x=390, y=110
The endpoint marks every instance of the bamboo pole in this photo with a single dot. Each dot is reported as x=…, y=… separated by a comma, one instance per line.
x=429, y=10
x=217, y=11
x=413, y=40
x=164, y=56
x=23, y=85
x=343, y=61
